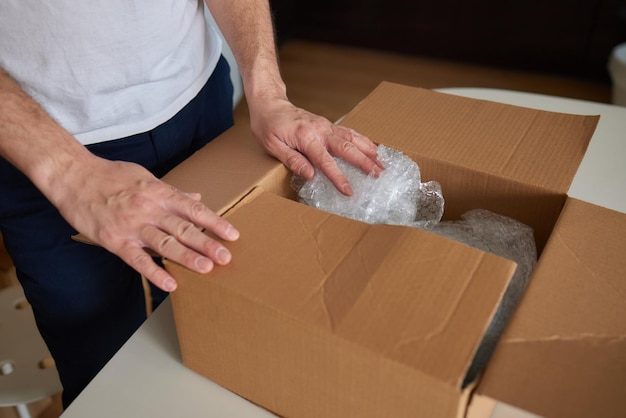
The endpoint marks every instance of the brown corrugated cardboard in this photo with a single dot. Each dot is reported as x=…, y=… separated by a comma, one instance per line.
x=564, y=353
x=227, y=169
x=509, y=142
x=343, y=318
x=512, y=160
x=323, y=316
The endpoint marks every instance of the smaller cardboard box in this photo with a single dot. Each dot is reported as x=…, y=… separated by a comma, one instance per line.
x=323, y=316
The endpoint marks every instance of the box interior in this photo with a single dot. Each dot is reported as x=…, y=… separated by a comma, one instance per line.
x=465, y=189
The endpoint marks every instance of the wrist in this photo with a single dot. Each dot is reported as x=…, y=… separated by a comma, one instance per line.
x=64, y=171
x=264, y=90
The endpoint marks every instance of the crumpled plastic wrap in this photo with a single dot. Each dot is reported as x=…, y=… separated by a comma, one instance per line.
x=507, y=238
x=396, y=197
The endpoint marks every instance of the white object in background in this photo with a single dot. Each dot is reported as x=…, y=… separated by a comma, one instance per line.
x=228, y=54
x=27, y=373
x=617, y=69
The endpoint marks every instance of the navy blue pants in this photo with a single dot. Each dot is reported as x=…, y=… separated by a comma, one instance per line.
x=87, y=302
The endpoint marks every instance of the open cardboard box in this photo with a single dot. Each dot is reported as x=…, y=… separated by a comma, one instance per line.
x=323, y=316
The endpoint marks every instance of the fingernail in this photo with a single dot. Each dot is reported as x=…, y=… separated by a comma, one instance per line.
x=232, y=233
x=223, y=255
x=169, y=285
x=203, y=264
x=347, y=189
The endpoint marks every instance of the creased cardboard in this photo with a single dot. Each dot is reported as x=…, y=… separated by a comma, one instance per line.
x=319, y=315
x=384, y=310
x=564, y=352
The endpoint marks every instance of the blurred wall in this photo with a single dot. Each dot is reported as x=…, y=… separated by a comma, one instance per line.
x=554, y=36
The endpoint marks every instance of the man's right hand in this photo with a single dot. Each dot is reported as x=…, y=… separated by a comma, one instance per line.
x=125, y=209
x=118, y=205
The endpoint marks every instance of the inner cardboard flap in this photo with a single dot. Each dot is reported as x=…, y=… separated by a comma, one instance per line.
x=529, y=146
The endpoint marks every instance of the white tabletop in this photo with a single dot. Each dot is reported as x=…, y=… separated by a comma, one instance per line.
x=147, y=377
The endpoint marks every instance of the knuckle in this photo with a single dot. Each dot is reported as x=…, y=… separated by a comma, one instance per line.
x=347, y=147
x=323, y=125
x=106, y=236
x=138, y=202
x=295, y=163
x=353, y=135
x=197, y=210
x=164, y=243
x=304, y=133
x=185, y=229
x=299, y=162
x=142, y=262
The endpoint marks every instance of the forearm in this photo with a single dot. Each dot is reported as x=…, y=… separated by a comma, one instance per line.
x=247, y=27
x=33, y=142
x=299, y=139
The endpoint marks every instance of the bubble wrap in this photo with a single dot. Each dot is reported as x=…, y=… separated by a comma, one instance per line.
x=508, y=238
x=396, y=197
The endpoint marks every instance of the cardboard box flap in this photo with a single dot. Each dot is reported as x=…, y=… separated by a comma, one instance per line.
x=224, y=170
x=564, y=352
x=415, y=298
x=531, y=146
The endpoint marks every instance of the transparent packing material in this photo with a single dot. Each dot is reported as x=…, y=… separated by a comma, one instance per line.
x=398, y=197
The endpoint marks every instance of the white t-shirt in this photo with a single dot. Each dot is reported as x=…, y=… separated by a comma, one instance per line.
x=106, y=69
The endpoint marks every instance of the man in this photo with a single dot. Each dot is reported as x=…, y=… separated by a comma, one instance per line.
x=99, y=99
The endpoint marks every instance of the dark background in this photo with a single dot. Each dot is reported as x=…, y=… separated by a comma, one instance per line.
x=567, y=37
